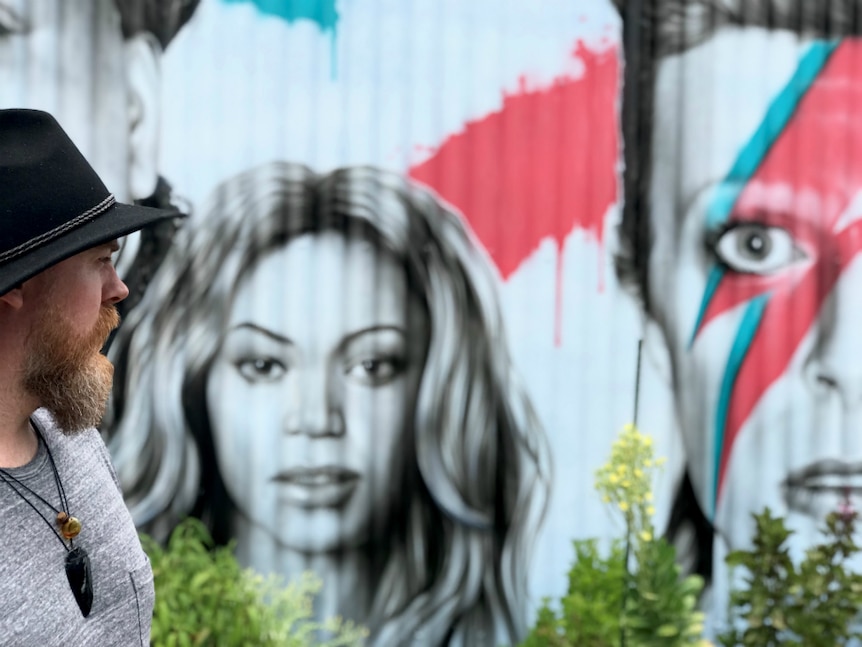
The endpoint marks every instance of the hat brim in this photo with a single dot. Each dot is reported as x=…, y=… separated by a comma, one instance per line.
x=116, y=222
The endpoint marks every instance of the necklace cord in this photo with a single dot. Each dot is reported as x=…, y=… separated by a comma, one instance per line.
x=5, y=476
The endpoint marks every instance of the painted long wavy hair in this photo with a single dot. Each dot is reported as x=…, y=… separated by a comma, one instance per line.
x=455, y=567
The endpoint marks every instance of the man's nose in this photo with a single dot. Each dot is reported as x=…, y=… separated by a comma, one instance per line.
x=114, y=290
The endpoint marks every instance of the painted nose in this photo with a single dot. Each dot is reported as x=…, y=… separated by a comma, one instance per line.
x=318, y=410
x=835, y=364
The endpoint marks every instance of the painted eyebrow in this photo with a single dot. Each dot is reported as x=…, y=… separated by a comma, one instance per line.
x=248, y=325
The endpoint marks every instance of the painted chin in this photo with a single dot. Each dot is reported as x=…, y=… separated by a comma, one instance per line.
x=327, y=486
x=819, y=488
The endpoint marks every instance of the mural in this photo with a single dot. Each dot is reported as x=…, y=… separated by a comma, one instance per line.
x=397, y=334
x=745, y=255
x=334, y=392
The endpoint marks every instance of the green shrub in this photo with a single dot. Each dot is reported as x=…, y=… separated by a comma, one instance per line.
x=205, y=598
x=634, y=595
x=815, y=603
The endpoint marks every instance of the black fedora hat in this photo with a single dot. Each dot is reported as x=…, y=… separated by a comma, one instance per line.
x=52, y=203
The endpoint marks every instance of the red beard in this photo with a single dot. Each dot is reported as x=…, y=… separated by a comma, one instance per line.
x=66, y=371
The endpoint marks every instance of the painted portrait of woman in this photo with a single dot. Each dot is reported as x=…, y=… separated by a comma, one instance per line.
x=319, y=370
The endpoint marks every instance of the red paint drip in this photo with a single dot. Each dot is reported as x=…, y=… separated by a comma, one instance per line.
x=805, y=184
x=542, y=166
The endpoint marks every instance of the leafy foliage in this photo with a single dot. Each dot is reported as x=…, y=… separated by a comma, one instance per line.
x=204, y=598
x=815, y=604
x=633, y=596
x=591, y=607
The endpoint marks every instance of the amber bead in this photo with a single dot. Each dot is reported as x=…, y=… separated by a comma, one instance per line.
x=71, y=528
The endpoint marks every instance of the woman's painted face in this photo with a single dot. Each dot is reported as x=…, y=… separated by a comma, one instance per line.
x=755, y=275
x=311, y=397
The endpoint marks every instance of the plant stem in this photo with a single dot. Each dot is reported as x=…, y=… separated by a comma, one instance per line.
x=626, y=578
x=637, y=383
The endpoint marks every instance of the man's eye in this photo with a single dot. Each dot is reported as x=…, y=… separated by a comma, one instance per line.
x=375, y=370
x=260, y=369
x=757, y=249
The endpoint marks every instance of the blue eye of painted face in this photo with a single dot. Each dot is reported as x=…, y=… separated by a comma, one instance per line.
x=260, y=369
x=757, y=249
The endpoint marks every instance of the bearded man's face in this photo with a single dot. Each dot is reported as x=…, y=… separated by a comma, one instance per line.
x=66, y=371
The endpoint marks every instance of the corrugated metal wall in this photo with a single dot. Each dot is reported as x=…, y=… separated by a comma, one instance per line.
x=398, y=333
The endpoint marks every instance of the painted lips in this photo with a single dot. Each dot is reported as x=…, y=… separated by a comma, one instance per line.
x=819, y=487
x=317, y=487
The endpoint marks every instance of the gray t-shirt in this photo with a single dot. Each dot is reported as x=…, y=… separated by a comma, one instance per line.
x=36, y=604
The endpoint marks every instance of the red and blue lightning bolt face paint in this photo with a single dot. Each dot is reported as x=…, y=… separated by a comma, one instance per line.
x=767, y=266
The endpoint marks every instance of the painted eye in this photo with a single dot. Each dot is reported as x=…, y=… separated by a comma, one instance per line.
x=757, y=249
x=11, y=22
x=260, y=369
x=375, y=370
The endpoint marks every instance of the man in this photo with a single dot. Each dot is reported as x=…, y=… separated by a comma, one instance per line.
x=741, y=235
x=94, y=65
x=72, y=570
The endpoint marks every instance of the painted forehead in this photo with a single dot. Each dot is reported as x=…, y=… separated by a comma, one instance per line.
x=805, y=159
x=30, y=16
x=347, y=277
x=711, y=100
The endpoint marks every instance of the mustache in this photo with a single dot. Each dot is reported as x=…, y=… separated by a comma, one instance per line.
x=108, y=321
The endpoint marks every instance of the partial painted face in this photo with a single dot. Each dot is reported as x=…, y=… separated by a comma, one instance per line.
x=66, y=57
x=312, y=395
x=755, y=275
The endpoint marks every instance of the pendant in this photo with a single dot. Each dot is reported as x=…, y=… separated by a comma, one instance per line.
x=71, y=528
x=78, y=573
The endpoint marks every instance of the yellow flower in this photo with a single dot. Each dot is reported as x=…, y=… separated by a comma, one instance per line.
x=614, y=479
x=650, y=510
x=639, y=473
x=648, y=496
x=606, y=499
x=626, y=484
x=645, y=535
x=624, y=506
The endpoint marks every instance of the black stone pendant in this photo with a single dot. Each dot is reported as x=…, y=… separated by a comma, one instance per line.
x=78, y=572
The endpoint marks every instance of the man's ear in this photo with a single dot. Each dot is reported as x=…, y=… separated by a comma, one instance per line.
x=143, y=81
x=14, y=298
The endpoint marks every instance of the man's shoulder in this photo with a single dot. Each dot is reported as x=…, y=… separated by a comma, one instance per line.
x=86, y=447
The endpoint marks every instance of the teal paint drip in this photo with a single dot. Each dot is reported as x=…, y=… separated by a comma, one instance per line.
x=744, y=336
x=779, y=113
x=322, y=12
